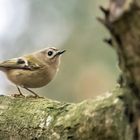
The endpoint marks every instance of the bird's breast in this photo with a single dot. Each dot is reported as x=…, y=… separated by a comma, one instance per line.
x=31, y=79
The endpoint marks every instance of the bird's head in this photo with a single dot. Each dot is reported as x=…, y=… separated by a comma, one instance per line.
x=51, y=55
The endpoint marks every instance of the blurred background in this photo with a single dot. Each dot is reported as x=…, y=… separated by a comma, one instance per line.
x=88, y=68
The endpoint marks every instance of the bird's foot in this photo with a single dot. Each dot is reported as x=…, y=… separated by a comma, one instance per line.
x=18, y=95
x=34, y=96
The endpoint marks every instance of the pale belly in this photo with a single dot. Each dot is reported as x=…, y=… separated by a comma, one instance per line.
x=30, y=79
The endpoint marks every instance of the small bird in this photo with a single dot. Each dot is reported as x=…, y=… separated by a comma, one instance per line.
x=34, y=70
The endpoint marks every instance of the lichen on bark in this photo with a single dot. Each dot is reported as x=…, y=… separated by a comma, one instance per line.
x=30, y=118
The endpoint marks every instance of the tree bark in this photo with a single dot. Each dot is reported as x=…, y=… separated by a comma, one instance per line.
x=112, y=117
x=44, y=119
x=122, y=20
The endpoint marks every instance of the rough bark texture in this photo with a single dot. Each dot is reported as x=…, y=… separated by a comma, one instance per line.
x=43, y=119
x=123, y=21
x=107, y=118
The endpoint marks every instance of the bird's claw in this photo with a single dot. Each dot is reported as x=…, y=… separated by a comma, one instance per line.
x=36, y=97
x=18, y=95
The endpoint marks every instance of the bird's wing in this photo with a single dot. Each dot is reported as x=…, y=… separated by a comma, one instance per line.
x=21, y=63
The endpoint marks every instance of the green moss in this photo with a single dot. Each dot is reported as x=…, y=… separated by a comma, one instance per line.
x=46, y=119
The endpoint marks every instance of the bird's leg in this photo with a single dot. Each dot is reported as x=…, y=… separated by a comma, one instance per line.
x=35, y=95
x=20, y=93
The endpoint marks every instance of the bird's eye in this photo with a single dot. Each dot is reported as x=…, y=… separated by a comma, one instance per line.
x=50, y=53
x=20, y=61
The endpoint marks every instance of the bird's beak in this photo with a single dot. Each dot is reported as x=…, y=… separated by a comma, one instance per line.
x=60, y=52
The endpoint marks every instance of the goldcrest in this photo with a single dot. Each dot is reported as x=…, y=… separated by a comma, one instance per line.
x=34, y=70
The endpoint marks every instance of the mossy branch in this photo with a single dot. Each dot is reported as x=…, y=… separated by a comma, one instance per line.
x=42, y=119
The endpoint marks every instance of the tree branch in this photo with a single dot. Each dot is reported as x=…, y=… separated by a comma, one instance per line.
x=30, y=118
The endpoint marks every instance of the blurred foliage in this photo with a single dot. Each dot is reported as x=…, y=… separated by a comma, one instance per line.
x=88, y=68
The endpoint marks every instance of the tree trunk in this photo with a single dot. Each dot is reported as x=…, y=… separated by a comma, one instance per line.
x=123, y=21
x=112, y=117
